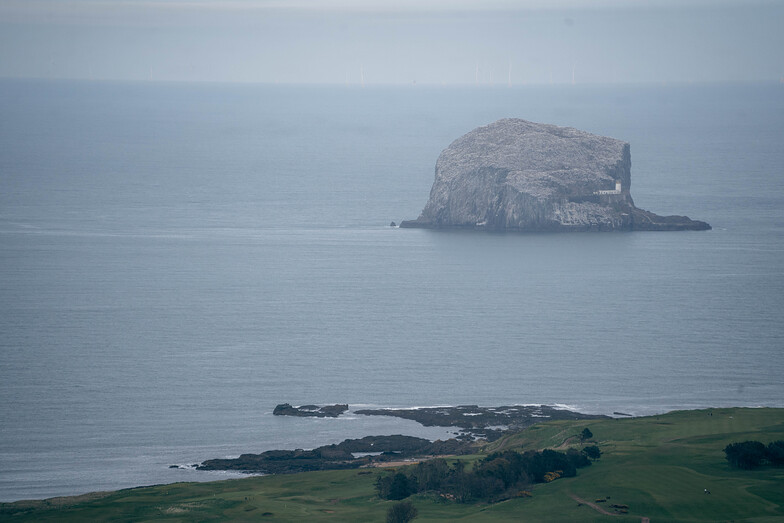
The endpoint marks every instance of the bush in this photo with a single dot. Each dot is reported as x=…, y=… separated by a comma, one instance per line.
x=586, y=434
x=592, y=452
x=401, y=512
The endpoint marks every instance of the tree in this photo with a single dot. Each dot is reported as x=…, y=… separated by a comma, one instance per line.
x=746, y=455
x=586, y=434
x=429, y=475
x=592, y=451
x=500, y=475
x=775, y=453
x=400, y=488
x=382, y=486
x=401, y=512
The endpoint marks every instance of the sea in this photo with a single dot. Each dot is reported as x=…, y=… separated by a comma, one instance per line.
x=177, y=258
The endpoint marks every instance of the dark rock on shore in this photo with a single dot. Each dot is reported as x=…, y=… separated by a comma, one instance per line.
x=488, y=423
x=340, y=456
x=328, y=411
x=515, y=175
x=484, y=422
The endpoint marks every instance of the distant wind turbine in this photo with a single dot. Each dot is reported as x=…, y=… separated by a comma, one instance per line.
x=362, y=76
x=572, y=74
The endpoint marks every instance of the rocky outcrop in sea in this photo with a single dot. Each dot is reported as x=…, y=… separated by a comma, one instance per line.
x=312, y=411
x=524, y=176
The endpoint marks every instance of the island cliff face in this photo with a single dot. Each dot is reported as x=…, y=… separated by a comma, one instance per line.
x=526, y=176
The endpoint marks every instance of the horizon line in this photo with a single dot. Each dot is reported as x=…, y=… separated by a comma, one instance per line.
x=411, y=84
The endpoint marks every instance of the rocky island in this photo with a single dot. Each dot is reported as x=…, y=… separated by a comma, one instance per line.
x=312, y=411
x=516, y=175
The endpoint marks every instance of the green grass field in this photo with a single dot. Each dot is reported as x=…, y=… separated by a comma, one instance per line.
x=658, y=466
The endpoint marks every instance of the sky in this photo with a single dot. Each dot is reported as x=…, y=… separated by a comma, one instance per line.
x=498, y=42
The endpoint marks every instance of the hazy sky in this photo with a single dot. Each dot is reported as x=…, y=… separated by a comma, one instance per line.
x=385, y=41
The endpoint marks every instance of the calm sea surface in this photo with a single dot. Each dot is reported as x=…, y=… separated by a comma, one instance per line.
x=175, y=260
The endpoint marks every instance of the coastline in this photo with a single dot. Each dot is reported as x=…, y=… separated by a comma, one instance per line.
x=158, y=325
x=152, y=468
x=192, y=473
x=659, y=456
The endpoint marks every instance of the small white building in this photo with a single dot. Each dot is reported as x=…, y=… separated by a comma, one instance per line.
x=617, y=189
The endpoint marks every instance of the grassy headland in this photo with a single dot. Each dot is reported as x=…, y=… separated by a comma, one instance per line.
x=657, y=466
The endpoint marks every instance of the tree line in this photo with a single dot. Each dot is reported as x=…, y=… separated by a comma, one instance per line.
x=754, y=454
x=499, y=476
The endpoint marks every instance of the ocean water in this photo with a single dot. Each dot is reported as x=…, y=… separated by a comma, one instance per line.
x=177, y=259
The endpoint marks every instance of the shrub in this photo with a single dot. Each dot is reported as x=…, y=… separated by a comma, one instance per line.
x=552, y=476
x=592, y=452
x=401, y=512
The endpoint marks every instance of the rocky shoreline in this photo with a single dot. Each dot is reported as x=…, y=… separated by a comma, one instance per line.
x=349, y=454
x=475, y=423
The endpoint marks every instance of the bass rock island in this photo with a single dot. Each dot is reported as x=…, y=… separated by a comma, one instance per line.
x=516, y=175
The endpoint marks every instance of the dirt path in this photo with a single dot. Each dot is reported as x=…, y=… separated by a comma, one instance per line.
x=386, y=464
x=413, y=461
x=599, y=509
x=594, y=506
